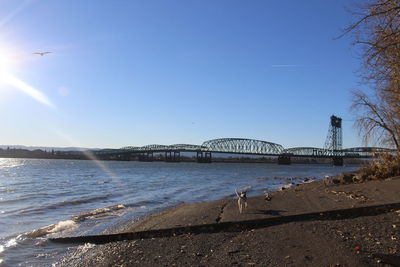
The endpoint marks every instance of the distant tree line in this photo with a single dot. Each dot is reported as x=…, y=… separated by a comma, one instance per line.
x=41, y=154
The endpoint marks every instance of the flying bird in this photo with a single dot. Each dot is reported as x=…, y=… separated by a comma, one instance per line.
x=41, y=53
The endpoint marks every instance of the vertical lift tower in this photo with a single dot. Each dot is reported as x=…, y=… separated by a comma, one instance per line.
x=334, y=141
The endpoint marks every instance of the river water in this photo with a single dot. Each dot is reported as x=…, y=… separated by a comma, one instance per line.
x=49, y=198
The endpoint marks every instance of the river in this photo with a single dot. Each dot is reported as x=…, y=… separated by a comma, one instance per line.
x=48, y=198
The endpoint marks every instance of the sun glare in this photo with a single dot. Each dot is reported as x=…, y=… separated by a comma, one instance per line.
x=9, y=59
x=9, y=79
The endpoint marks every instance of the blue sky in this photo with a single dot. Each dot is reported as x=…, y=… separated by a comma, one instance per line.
x=127, y=72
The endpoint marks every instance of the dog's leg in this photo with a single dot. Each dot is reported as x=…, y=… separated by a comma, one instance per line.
x=240, y=205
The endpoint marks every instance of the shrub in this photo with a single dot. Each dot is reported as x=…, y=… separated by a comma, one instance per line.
x=387, y=166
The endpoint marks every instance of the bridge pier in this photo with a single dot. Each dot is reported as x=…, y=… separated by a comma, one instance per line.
x=123, y=157
x=284, y=160
x=203, y=157
x=337, y=161
x=172, y=156
x=146, y=156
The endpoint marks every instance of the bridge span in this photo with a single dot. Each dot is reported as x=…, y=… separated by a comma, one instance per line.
x=241, y=146
x=332, y=149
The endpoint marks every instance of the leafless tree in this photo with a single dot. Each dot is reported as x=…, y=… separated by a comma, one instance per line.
x=377, y=31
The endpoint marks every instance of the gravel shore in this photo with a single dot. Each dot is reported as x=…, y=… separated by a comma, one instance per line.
x=314, y=224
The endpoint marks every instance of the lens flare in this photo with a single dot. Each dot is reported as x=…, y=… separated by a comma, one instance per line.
x=10, y=59
x=11, y=80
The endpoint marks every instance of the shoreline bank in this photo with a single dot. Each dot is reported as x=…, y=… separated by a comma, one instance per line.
x=327, y=237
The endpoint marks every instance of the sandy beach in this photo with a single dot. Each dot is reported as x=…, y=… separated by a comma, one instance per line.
x=315, y=224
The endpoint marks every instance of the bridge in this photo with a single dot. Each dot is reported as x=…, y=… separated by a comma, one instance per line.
x=332, y=149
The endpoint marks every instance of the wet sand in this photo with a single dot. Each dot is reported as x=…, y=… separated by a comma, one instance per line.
x=308, y=225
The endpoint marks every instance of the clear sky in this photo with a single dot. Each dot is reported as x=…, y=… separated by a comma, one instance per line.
x=126, y=72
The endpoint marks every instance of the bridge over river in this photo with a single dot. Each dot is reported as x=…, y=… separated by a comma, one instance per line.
x=332, y=149
x=241, y=146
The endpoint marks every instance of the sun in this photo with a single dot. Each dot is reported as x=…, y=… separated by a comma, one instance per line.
x=8, y=59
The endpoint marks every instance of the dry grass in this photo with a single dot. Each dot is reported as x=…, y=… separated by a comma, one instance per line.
x=387, y=166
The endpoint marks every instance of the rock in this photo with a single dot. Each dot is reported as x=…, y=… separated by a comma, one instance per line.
x=358, y=178
x=347, y=178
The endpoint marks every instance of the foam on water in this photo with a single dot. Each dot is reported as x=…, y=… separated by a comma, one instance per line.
x=64, y=227
x=12, y=242
x=59, y=227
x=101, y=212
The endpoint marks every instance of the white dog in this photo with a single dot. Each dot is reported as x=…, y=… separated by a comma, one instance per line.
x=242, y=200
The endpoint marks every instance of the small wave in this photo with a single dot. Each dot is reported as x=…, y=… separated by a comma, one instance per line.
x=102, y=182
x=53, y=228
x=63, y=203
x=69, y=225
x=15, y=200
x=287, y=186
x=11, y=243
x=247, y=188
x=101, y=212
x=145, y=203
x=7, y=191
x=79, y=201
x=87, y=175
x=308, y=180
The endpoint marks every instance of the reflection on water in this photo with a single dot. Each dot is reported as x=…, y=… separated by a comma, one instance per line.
x=43, y=198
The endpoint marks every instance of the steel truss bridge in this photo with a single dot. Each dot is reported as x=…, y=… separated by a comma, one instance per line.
x=332, y=149
x=241, y=146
